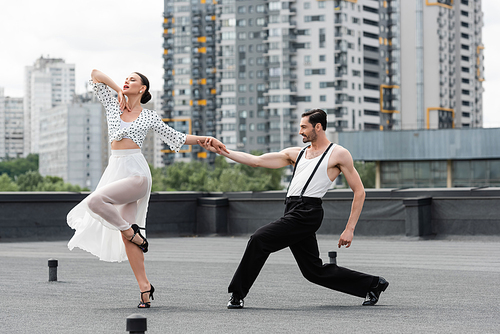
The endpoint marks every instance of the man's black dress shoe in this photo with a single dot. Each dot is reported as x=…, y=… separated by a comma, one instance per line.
x=235, y=302
x=373, y=295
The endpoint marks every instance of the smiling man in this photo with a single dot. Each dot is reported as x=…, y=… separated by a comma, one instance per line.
x=316, y=167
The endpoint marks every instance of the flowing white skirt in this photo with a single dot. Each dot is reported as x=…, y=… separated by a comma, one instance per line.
x=94, y=234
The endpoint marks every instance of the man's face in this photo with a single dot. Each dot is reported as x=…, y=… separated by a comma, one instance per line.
x=307, y=131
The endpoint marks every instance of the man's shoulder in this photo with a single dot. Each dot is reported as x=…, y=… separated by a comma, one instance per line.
x=339, y=155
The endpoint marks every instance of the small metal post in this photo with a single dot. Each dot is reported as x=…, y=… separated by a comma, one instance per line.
x=52, y=270
x=136, y=324
x=333, y=257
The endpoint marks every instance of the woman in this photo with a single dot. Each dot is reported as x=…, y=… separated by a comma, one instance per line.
x=107, y=223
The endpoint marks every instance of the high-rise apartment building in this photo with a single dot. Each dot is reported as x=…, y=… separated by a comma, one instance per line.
x=71, y=143
x=432, y=61
x=371, y=64
x=190, y=72
x=48, y=83
x=11, y=126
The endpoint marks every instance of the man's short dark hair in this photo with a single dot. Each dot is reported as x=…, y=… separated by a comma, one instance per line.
x=316, y=116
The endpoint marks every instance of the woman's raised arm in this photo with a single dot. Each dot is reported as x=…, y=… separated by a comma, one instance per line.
x=99, y=77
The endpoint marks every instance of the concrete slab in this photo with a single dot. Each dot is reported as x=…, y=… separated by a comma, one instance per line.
x=436, y=286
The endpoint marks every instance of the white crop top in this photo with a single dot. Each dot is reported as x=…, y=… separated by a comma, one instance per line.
x=124, y=125
x=320, y=182
x=138, y=129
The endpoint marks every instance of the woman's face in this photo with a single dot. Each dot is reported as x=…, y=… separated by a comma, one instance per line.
x=133, y=85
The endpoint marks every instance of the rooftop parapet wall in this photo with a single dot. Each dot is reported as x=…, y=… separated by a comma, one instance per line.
x=386, y=212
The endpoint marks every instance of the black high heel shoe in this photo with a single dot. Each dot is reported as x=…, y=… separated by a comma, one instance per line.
x=144, y=246
x=144, y=304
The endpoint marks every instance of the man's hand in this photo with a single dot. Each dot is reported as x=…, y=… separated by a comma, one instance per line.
x=346, y=238
x=213, y=145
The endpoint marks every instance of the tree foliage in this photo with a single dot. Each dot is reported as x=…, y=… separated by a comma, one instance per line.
x=223, y=177
x=6, y=183
x=33, y=181
x=16, y=167
x=366, y=171
x=22, y=175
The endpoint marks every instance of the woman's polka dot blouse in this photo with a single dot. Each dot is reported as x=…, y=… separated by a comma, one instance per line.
x=148, y=119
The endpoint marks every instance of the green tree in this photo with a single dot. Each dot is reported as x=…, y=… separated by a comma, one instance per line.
x=16, y=167
x=6, y=183
x=29, y=181
x=223, y=176
x=33, y=181
x=366, y=171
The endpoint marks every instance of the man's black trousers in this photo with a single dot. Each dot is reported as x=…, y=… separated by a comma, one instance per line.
x=297, y=230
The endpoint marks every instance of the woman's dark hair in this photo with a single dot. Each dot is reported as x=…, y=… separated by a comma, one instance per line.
x=316, y=116
x=147, y=95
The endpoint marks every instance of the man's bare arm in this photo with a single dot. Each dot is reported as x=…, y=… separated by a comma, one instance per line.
x=269, y=160
x=352, y=178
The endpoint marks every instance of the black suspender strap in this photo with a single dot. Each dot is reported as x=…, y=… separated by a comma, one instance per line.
x=315, y=169
x=295, y=167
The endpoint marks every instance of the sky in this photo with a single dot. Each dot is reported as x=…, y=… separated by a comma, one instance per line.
x=120, y=37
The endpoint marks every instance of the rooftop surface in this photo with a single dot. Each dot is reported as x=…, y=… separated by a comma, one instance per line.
x=436, y=286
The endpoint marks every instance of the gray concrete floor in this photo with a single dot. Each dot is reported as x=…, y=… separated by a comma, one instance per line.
x=436, y=286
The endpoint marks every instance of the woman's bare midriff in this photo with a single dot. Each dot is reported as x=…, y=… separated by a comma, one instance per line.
x=124, y=144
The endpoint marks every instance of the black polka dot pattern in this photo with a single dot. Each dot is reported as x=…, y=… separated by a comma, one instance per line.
x=148, y=119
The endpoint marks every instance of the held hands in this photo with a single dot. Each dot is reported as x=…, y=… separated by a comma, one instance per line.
x=213, y=145
x=346, y=238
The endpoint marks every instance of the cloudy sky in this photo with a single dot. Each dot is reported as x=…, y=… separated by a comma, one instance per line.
x=119, y=37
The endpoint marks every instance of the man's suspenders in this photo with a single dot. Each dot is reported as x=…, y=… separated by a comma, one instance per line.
x=314, y=171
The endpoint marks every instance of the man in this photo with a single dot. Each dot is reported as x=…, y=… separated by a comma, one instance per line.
x=316, y=167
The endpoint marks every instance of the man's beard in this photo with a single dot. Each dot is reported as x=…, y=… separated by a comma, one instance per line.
x=310, y=138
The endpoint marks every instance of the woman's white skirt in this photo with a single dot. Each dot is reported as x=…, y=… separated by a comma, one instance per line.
x=94, y=234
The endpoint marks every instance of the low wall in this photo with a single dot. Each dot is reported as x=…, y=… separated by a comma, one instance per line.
x=386, y=212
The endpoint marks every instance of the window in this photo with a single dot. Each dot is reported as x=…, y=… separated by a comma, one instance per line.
x=465, y=69
x=242, y=9
x=466, y=36
x=464, y=13
x=465, y=92
x=371, y=99
x=464, y=24
x=321, y=4
x=370, y=22
x=322, y=98
x=370, y=35
x=322, y=57
x=371, y=74
x=314, y=18
x=307, y=85
x=465, y=80
x=260, y=8
x=466, y=103
x=307, y=5
x=464, y=47
x=307, y=60
x=241, y=23
x=275, y=5
x=356, y=73
x=370, y=9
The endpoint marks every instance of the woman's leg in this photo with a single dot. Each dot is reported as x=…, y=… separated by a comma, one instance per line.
x=129, y=190
x=125, y=192
x=134, y=253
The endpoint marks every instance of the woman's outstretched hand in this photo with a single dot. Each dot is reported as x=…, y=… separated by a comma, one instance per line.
x=213, y=145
